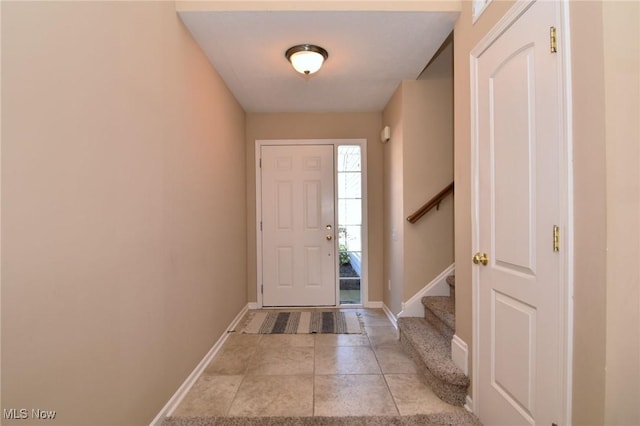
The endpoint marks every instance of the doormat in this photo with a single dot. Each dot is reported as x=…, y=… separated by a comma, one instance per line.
x=302, y=322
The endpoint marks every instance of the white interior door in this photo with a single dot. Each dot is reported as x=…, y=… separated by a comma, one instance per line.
x=519, y=290
x=298, y=232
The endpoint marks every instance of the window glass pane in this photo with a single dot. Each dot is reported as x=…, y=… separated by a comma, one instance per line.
x=352, y=238
x=350, y=273
x=342, y=237
x=349, y=185
x=349, y=212
x=350, y=222
x=349, y=158
x=350, y=264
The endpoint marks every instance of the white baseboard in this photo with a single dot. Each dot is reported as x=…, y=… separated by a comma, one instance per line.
x=437, y=287
x=460, y=354
x=373, y=305
x=252, y=305
x=469, y=404
x=390, y=315
x=182, y=391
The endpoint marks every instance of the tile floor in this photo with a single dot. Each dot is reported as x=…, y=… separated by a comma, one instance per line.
x=313, y=375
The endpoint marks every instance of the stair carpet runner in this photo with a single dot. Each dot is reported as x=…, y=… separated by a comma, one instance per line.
x=428, y=341
x=437, y=419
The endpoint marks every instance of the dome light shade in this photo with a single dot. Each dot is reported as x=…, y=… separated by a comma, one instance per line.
x=306, y=58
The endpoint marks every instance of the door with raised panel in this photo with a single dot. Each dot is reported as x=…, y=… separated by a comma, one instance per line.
x=518, y=281
x=298, y=246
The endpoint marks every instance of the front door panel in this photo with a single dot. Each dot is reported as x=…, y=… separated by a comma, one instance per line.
x=298, y=225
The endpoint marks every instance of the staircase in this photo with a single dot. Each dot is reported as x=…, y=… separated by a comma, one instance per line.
x=428, y=341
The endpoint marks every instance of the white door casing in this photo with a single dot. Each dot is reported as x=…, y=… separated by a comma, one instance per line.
x=298, y=253
x=519, y=181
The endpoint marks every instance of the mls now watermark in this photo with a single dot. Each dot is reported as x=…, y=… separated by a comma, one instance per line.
x=23, y=414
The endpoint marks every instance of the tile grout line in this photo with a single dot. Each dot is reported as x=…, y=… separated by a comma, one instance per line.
x=384, y=377
x=244, y=376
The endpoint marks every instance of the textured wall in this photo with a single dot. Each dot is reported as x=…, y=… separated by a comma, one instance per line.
x=418, y=164
x=590, y=218
x=621, y=27
x=393, y=203
x=123, y=200
x=428, y=168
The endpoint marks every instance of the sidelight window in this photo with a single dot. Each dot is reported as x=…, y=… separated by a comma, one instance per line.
x=349, y=174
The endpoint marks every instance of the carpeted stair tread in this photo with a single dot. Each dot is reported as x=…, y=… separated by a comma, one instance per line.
x=432, y=353
x=436, y=419
x=433, y=348
x=443, y=307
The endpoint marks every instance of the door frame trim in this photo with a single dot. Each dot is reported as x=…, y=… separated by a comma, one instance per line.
x=364, y=281
x=566, y=195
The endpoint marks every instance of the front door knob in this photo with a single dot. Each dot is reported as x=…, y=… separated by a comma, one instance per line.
x=329, y=237
x=480, y=258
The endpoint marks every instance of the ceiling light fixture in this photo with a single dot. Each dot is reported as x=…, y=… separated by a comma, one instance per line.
x=306, y=58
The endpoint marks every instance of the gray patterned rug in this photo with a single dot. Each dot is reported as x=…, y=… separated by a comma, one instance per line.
x=302, y=322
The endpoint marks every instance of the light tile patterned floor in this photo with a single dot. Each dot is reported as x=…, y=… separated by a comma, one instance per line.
x=307, y=375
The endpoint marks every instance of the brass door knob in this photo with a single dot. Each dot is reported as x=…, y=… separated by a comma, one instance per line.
x=329, y=237
x=480, y=258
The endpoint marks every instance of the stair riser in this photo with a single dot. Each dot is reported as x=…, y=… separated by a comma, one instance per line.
x=451, y=280
x=450, y=393
x=443, y=308
x=440, y=326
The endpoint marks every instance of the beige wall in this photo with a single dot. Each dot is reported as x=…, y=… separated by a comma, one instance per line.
x=621, y=27
x=418, y=165
x=428, y=168
x=393, y=203
x=363, y=125
x=123, y=209
x=590, y=213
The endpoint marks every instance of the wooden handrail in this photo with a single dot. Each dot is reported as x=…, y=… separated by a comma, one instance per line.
x=435, y=201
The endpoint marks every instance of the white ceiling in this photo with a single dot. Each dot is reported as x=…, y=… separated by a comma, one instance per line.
x=370, y=52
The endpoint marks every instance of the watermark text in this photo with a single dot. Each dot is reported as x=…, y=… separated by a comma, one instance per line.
x=24, y=414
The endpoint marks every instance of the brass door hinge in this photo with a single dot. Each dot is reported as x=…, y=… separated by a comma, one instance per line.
x=553, y=39
x=556, y=238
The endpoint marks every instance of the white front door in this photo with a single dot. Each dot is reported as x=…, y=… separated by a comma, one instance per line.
x=518, y=203
x=298, y=231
